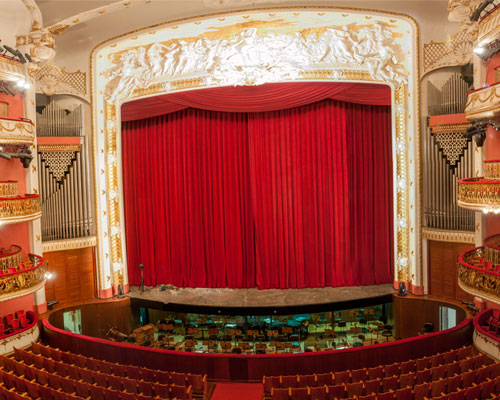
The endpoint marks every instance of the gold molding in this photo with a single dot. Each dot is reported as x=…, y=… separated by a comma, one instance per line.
x=16, y=131
x=20, y=209
x=404, y=162
x=479, y=194
x=448, y=236
x=24, y=280
x=52, y=148
x=483, y=103
x=69, y=244
x=489, y=27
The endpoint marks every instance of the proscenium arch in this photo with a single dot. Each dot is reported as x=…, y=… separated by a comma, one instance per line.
x=351, y=45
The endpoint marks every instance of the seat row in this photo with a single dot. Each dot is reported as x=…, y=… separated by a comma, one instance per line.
x=485, y=391
x=13, y=387
x=387, y=372
x=65, y=362
x=426, y=389
x=97, y=384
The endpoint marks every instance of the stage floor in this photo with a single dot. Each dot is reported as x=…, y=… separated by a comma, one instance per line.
x=259, y=298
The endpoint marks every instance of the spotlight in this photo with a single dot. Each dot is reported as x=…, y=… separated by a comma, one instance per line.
x=49, y=275
x=402, y=289
x=479, y=50
x=26, y=85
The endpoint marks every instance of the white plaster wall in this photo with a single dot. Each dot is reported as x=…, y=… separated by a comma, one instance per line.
x=75, y=45
x=14, y=20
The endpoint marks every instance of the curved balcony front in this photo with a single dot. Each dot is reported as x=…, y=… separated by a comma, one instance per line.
x=492, y=250
x=20, y=208
x=489, y=27
x=491, y=169
x=479, y=194
x=10, y=69
x=16, y=131
x=483, y=103
x=477, y=277
x=10, y=258
x=486, y=334
x=23, y=279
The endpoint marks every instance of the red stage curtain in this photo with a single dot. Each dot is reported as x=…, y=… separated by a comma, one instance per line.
x=268, y=97
x=284, y=199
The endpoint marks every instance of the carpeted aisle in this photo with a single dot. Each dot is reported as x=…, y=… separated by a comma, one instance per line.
x=238, y=391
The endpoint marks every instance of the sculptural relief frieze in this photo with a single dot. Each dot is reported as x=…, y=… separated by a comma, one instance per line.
x=251, y=57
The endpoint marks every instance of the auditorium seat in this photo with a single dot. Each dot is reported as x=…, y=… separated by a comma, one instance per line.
x=318, y=392
x=453, y=383
x=307, y=380
x=180, y=392
x=280, y=394
x=406, y=380
x=420, y=392
x=392, y=369
x=473, y=393
x=162, y=390
x=372, y=386
x=289, y=381
x=438, y=388
x=376, y=372
x=386, y=396
x=358, y=375
x=355, y=389
x=198, y=384
x=342, y=377
x=325, y=379
x=390, y=384
x=404, y=394
x=299, y=393
x=336, y=392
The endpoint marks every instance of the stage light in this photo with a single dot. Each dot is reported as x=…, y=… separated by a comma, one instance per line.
x=49, y=275
x=402, y=289
x=479, y=50
x=26, y=85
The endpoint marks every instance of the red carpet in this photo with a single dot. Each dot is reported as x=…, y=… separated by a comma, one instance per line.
x=238, y=391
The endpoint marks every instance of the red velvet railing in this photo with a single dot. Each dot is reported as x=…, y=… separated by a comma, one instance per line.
x=37, y=262
x=253, y=367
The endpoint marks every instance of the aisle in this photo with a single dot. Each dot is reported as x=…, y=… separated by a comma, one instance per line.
x=239, y=391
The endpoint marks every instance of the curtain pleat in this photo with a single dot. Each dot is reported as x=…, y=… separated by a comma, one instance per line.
x=294, y=198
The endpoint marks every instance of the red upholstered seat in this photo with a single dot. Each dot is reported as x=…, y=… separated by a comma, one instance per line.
x=318, y=393
x=111, y=394
x=438, y=372
x=336, y=392
x=473, y=393
x=280, y=393
x=32, y=389
x=355, y=389
x=376, y=372
x=390, y=384
x=406, y=380
x=468, y=379
x=453, y=383
x=464, y=352
x=271, y=382
x=15, y=325
x=453, y=369
x=407, y=366
x=133, y=372
x=392, y=369
x=148, y=374
x=177, y=378
x=54, y=381
x=129, y=385
x=458, y=395
x=438, y=388
x=289, y=381
x=422, y=363
x=97, y=393
x=162, y=377
x=342, y=377
x=423, y=376
x=437, y=360
x=358, y=375
x=404, y=394
x=93, y=364
x=114, y=382
x=67, y=385
x=466, y=365
x=487, y=389
x=450, y=356
x=386, y=396
x=180, y=392
x=49, y=364
x=128, y=396
x=161, y=390
x=145, y=388
x=325, y=379
x=420, y=392
x=198, y=383
x=82, y=389
x=42, y=377
x=100, y=379
x=307, y=380
x=299, y=393
x=373, y=386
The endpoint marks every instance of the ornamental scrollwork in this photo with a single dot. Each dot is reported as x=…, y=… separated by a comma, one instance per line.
x=477, y=279
x=24, y=279
x=253, y=58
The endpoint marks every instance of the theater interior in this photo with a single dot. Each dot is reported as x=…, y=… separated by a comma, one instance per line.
x=250, y=199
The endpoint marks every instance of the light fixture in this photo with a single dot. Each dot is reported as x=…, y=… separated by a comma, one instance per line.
x=49, y=275
x=402, y=289
x=479, y=50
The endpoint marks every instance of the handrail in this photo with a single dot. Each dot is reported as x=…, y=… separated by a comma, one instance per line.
x=478, y=321
x=19, y=206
